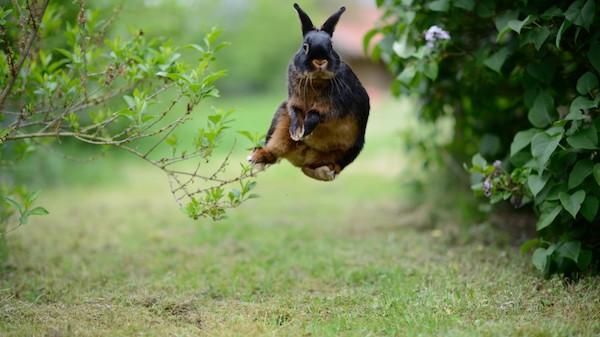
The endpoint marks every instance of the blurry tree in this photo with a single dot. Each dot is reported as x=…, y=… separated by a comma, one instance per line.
x=62, y=78
x=263, y=34
x=520, y=80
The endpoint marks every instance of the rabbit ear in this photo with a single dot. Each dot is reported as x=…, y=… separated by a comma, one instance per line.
x=307, y=24
x=329, y=25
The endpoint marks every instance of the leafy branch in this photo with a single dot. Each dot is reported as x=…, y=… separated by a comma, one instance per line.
x=132, y=95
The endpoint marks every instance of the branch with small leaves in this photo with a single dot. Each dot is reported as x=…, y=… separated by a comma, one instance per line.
x=130, y=94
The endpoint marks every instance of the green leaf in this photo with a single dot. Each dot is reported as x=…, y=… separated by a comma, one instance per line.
x=478, y=161
x=587, y=14
x=367, y=39
x=439, y=5
x=552, y=12
x=596, y=173
x=517, y=25
x=529, y=245
x=570, y=250
x=594, y=56
x=4, y=132
x=581, y=103
x=553, y=193
x=536, y=183
x=546, y=218
x=572, y=203
x=589, y=208
x=573, y=13
x=212, y=36
x=3, y=14
x=565, y=25
x=496, y=60
x=215, y=119
x=38, y=211
x=537, y=36
x=14, y=203
x=464, y=4
x=580, y=171
x=586, y=83
x=431, y=70
x=213, y=77
x=402, y=48
x=543, y=106
x=407, y=75
x=502, y=19
x=521, y=140
x=130, y=102
x=172, y=140
x=584, y=139
x=541, y=258
x=542, y=147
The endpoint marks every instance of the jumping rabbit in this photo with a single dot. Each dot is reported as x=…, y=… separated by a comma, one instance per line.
x=321, y=126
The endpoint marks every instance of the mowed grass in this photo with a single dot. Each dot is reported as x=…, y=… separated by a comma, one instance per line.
x=307, y=258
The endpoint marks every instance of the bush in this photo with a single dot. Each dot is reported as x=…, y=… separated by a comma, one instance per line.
x=520, y=80
x=128, y=92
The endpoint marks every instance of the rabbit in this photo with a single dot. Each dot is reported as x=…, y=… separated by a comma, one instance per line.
x=321, y=127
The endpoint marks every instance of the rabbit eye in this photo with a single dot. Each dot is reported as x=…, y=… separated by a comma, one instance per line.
x=305, y=48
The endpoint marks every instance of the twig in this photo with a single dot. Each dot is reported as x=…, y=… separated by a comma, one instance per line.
x=11, y=82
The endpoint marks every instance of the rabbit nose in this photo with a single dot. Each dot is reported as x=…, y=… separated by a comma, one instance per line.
x=320, y=64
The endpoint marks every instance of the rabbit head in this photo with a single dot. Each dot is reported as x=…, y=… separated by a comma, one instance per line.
x=316, y=57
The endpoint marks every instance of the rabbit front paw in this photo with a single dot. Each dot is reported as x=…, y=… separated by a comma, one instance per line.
x=297, y=133
x=260, y=158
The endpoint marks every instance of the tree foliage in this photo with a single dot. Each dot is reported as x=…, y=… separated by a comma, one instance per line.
x=130, y=93
x=520, y=79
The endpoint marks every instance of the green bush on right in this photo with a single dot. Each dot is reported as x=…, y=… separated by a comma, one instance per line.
x=520, y=80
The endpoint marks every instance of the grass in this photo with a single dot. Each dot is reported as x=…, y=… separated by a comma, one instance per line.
x=348, y=258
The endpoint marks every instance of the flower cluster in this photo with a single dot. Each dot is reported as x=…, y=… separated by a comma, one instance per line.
x=487, y=183
x=435, y=33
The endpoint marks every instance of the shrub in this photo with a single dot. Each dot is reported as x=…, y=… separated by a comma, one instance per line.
x=520, y=78
x=130, y=93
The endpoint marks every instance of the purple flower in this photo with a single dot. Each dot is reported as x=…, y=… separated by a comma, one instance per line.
x=498, y=165
x=487, y=187
x=435, y=33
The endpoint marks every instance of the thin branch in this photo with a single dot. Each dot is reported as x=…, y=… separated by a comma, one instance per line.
x=24, y=55
x=101, y=141
x=175, y=124
x=225, y=161
x=86, y=103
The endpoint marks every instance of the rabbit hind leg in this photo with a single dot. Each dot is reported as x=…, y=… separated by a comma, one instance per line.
x=322, y=173
x=278, y=142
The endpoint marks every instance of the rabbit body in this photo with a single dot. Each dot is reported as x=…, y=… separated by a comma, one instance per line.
x=321, y=126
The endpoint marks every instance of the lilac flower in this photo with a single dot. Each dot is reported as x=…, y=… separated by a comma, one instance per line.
x=435, y=33
x=498, y=165
x=487, y=187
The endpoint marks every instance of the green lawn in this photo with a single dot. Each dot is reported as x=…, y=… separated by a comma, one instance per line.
x=117, y=258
